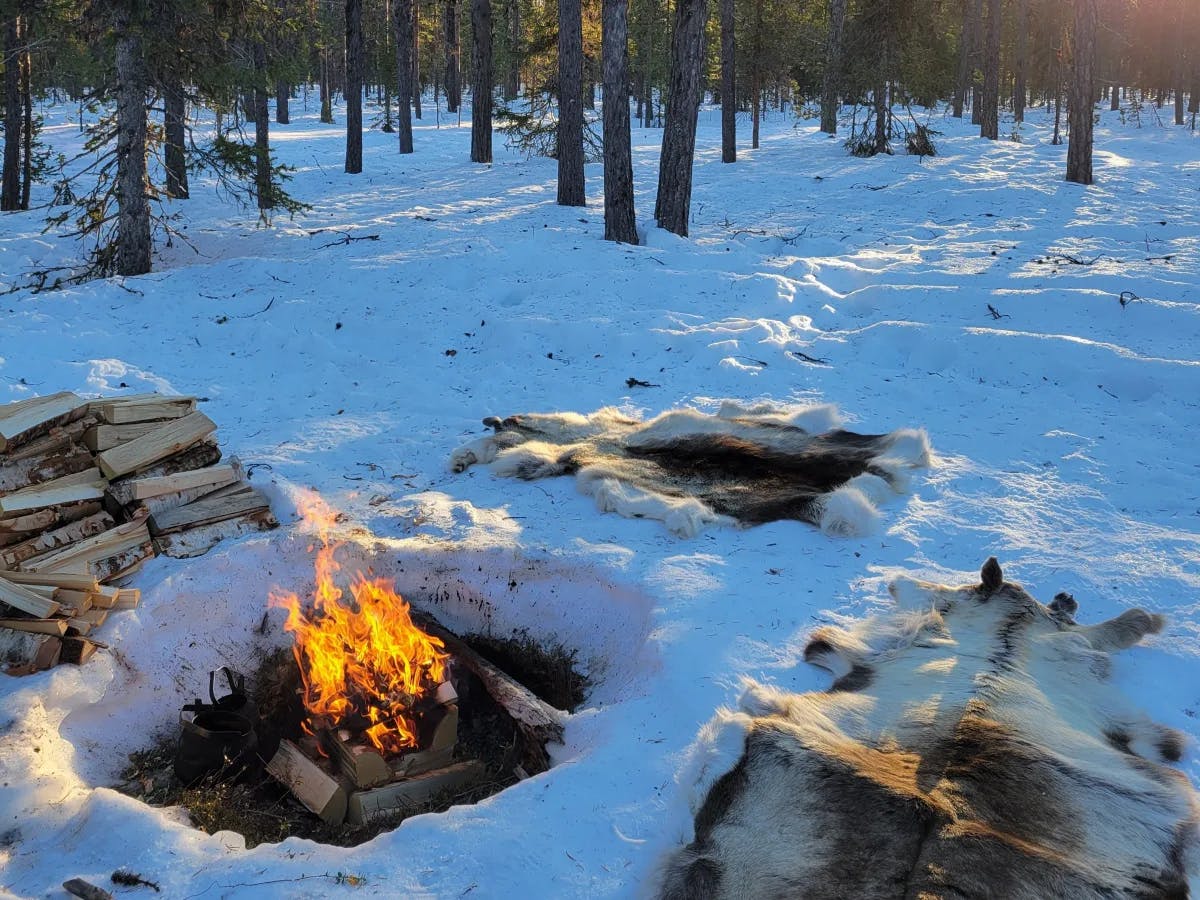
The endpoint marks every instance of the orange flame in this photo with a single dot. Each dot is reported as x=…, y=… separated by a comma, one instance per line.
x=366, y=660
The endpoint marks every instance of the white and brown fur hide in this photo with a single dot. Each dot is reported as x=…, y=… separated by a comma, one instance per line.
x=744, y=465
x=970, y=746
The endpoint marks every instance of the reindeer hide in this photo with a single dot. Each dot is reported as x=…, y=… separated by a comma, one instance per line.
x=744, y=465
x=970, y=746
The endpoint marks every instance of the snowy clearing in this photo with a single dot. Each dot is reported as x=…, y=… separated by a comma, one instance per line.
x=1064, y=433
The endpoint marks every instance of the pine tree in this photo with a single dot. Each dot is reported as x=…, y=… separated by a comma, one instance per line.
x=673, y=204
x=1083, y=44
x=481, y=81
x=728, y=80
x=619, y=222
x=354, y=86
x=570, y=104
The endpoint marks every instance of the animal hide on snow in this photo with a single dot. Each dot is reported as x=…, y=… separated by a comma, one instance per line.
x=970, y=746
x=745, y=465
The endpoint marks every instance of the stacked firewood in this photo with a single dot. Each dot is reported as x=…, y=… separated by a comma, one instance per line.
x=91, y=489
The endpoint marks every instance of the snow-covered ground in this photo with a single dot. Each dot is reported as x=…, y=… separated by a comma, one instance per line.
x=1066, y=434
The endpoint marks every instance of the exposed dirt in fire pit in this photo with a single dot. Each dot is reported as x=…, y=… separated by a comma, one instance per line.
x=263, y=811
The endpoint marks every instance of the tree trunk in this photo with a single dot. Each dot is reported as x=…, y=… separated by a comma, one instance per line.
x=830, y=87
x=1058, y=90
x=989, y=119
x=619, y=222
x=404, y=68
x=756, y=76
x=264, y=189
x=481, y=81
x=512, y=74
x=881, y=111
x=1115, y=98
x=450, y=39
x=283, y=93
x=416, y=59
x=354, y=86
x=133, y=210
x=674, y=201
x=26, y=65
x=326, y=90
x=728, y=98
x=967, y=39
x=174, y=132
x=1022, y=61
x=1079, y=145
x=10, y=194
x=570, y=104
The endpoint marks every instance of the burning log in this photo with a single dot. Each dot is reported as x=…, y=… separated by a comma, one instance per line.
x=319, y=792
x=537, y=721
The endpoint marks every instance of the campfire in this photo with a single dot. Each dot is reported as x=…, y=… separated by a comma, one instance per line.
x=381, y=706
x=380, y=709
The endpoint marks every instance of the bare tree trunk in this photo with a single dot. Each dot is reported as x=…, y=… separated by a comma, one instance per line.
x=416, y=59
x=283, y=93
x=26, y=64
x=1079, y=146
x=989, y=119
x=264, y=188
x=354, y=86
x=1115, y=98
x=570, y=103
x=174, y=132
x=404, y=86
x=831, y=84
x=728, y=98
x=673, y=205
x=882, y=112
x=619, y=221
x=756, y=75
x=133, y=210
x=976, y=14
x=10, y=194
x=450, y=38
x=1022, y=61
x=326, y=90
x=512, y=74
x=1058, y=90
x=968, y=39
x=481, y=81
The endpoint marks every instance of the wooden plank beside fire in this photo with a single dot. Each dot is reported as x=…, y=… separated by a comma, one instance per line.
x=89, y=490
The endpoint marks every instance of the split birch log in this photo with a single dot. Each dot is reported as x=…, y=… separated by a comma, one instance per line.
x=214, y=507
x=538, y=722
x=22, y=653
x=154, y=486
x=26, y=601
x=128, y=598
x=412, y=793
x=101, y=546
x=162, y=442
x=99, y=438
x=80, y=601
x=23, y=523
x=56, y=627
x=17, y=474
x=74, y=488
x=203, y=454
x=319, y=792
x=78, y=650
x=198, y=541
x=56, y=440
x=67, y=582
x=28, y=419
x=142, y=408
x=69, y=534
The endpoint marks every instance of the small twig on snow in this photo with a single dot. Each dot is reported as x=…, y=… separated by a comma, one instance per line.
x=347, y=239
x=637, y=382
x=804, y=357
x=1127, y=297
x=996, y=314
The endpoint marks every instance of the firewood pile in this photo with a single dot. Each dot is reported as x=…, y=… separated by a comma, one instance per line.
x=91, y=489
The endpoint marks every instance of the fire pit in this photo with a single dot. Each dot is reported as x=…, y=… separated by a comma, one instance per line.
x=380, y=724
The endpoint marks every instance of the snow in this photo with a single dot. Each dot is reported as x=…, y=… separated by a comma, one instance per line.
x=1063, y=436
